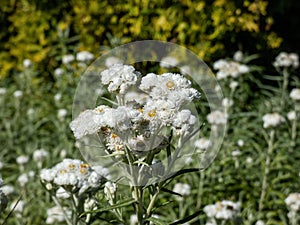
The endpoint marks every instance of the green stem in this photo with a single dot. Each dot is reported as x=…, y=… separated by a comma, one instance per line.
x=266, y=171
x=200, y=191
x=151, y=204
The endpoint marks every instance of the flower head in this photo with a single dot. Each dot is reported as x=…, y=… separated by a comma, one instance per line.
x=168, y=62
x=295, y=94
x=272, y=120
x=229, y=69
x=287, y=60
x=84, y=56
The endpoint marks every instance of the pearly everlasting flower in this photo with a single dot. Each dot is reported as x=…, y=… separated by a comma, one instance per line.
x=40, y=155
x=74, y=174
x=30, y=112
x=223, y=210
x=259, y=222
x=7, y=189
x=110, y=61
x=217, y=117
x=185, y=70
x=168, y=62
x=62, y=113
x=292, y=115
x=293, y=201
x=18, y=94
x=182, y=189
x=229, y=69
x=238, y=56
x=90, y=204
x=2, y=91
x=110, y=187
x=236, y=153
x=272, y=120
x=203, y=143
x=184, y=122
x=62, y=193
x=295, y=94
x=287, y=60
x=23, y=179
x=119, y=78
x=66, y=59
x=57, y=214
x=133, y=219
x=84, y=56
x=17, y=207
x=57, y=97
x=249, y=160
x=63, y=154
x=27, y=63
x=233, y=85
x=240, y=143
x=58, y=72
x=23, y=159
x=226, y=102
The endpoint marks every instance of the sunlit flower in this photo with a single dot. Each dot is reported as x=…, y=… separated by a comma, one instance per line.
x=293, y=201
x=23, y=179
x=217, y=117
x=62, y=193
x=224, y=210
x=240, y=143
x=292, y=115
x=58, y=72
x=229, y=69
x=18, y=94
x=57, y=214
x=182, y=189
x=84, y=56
x=66, y=59
x=203, y=143
x=226, y=102
x=259, y=222
x=17, y=207
x=233, y=85
x=287, y=60
x=2, y=91
x=238, y=56
x=27, y=63
x=40, y=155
x=22, y=159
x=62, y=113
x=110, y=61
x=295, y=94
x=168, y=62
x=7, y=189
x=185, y=70
x=272, y=120
x=236, y=153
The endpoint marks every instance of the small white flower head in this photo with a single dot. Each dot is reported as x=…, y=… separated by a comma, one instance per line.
x=185, y=70
x=295, y=94
x=240, y=143
x=84, y=56
x=27, y=63
x=293, y=201
x=30, y=112
x=63, y=154
x=61, y=114
x=259, y=222
x=22, y=159
x=2, y=91
x=1, y=166
x=224, y=210
x=182, y=189
x=203, y=143
x=292, y=115
x=236, y=153
x=217, y=117
x=238, y=56
x=287, y=60
x=133, y=219
x=229, y=69
x=90, y=204
x=210, y=210
x=23, y=179
x=272, y=120
x=184, y=122
x=57, y=97
x=67, y=59
x=249, y=160
x=168, y=62
x=110, y=188
x=40, y=155
x=18, y=94
x=110, y=61
x=119, y=78
x=62, y=193
x=226, y=102
x=57, y=214
x=59, y=72
x=7, y=189
x=233, y=85
x=17, y=207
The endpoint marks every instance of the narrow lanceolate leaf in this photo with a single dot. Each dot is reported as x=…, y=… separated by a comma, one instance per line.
x=170, y=192
x=186, y=219
x=156, y=221
x=119, y=204
x=181, y=172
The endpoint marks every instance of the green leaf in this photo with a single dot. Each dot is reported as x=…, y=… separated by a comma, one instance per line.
x=188, y=218
x=170, y=192
x=119, y=204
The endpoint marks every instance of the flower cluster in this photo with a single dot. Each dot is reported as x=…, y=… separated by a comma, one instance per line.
x=224, y=210
x=73, y=176
x=229, y=69
x=136, y=122
x=293, y=204
x=287, y=60
x=272, y=120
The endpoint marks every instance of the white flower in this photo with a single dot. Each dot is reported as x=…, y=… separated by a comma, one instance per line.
x=22, y=159
x=84, y=56
x=30, y=112
x=66, y=59
x=184, y=122
x=7, y=189
x=40, y=155
x=110, y=61
x=168, y=62
x=133, y=219
x=57, y=97
x=57, y=214
x=287, y=60
x=203, y=143
x=61, y=114
x=23, y=179
x=17, y=206
x=210, y=210
x=185, y=70
x=259, y=222
x=217, y=117
x=240, y=143
x=295, y=94
x=249, y=160
x=63, y=154
x=62, y=193
x=18, y=94
x=90, y=204
x=27, y=63
x=182, y=189
x=293, y=201
x=229, y=69
x=292, y=115
x=226, y=102
x=119, y=78
x=2, y=91
x=58, y=72
x=233, y=85
x=272, y=120
x=236, y=153
x=238, y=56
x=222, y=210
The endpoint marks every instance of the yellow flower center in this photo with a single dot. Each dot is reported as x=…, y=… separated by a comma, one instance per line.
x=114, y=136
x=71, y=166
x=152, y=113
x=170, y=84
